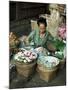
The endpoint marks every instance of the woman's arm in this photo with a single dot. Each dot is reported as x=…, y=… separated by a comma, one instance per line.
x=30, y=37
x=50, y=37
x=50, y=43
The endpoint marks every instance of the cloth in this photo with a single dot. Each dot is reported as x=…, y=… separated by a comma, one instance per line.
x=37, y=41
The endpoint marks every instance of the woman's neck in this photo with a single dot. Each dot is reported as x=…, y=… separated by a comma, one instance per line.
x=42, y=35
x=42, y=32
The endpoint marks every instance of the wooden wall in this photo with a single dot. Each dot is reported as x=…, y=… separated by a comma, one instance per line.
x=21, y=13
x=23, y=10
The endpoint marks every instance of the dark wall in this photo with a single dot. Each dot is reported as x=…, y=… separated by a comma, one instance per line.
x=21, y=13
x=23, y=10
x=12, y=10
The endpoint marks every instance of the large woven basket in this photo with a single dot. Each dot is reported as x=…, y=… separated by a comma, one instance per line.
x=25, y=69
x=47, y=74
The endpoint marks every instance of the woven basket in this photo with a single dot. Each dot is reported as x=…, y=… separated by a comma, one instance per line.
x=47, y=74
x=25, y=69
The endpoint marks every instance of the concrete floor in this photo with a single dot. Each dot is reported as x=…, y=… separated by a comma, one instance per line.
x=35, y=81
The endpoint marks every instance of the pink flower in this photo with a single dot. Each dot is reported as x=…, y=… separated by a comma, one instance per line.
x=62, y=32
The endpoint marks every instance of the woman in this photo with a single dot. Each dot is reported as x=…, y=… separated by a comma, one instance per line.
x=41, y=37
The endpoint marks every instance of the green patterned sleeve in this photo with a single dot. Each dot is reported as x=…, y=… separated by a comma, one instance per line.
x=50, y=37
x=31, y=35
x=50, y=42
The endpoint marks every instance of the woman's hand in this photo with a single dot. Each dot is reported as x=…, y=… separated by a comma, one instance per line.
x=40, y=49
x=27, y=41
x=24, y=39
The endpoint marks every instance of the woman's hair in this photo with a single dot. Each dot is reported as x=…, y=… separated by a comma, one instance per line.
x=41, y=20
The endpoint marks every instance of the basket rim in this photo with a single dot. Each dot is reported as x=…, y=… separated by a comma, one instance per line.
x=22, y=63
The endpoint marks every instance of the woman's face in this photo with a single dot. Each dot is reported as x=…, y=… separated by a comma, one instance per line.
x=42, y=27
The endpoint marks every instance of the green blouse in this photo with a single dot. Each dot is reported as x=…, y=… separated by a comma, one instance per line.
x=36, y=41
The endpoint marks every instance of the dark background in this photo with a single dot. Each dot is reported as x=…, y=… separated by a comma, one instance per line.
x=21, y=13
x=25, y=10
